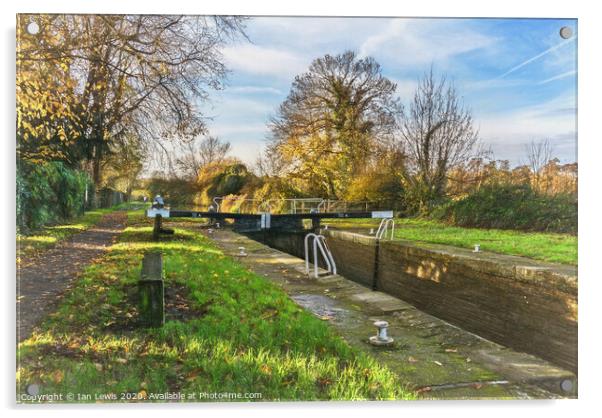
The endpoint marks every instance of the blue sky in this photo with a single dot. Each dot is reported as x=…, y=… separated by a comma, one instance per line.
x=518, y=76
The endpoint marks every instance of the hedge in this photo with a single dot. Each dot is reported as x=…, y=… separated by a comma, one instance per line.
x=512, y=207
x=48, y=193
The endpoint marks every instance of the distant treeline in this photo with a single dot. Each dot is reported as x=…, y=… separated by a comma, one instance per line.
x=486, y=194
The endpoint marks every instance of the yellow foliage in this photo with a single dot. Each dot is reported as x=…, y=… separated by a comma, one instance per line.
x=46, y=101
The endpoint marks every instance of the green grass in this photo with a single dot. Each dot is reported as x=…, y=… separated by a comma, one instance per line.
x=559, y=248
x=48, y=236
x=246, y=335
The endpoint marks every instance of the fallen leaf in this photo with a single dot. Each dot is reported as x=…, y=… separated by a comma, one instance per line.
x=58, y=376
x=451, y=350
x=412, y=359
x=193, y=374
x=438, y=363
x=265, y=369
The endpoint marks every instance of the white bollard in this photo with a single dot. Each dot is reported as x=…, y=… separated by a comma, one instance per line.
x=381, y=337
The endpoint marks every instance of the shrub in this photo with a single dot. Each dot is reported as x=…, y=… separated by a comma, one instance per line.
x=175, y=192
x=224, y=178
x=49, y=192
x=512, y=207
x=382, y=188
x=230, y=180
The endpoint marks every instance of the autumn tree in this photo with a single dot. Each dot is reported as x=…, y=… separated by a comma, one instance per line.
x=122, y=75
x=335, y=117
x=438, y=134
x=124, y=164
x=48, y=113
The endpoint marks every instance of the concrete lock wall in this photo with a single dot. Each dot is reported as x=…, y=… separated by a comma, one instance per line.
x=523, y=304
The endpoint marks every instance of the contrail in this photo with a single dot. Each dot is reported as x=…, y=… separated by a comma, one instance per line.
x=558, y=77
x=530, y=60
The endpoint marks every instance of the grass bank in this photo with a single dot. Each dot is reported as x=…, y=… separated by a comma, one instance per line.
x=559, y=248
x=228, y=330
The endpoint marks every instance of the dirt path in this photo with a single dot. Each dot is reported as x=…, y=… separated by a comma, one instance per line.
x=43, y=280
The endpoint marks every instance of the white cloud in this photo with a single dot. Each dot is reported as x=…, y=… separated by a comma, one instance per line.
x=227, y=107
x=254, y=59
x=410, y=42
x=509, y=132
x=225, y=130
x=246, y=140
x=254, y=90
x=306, y=33
x=247, y=151
x=405, y=88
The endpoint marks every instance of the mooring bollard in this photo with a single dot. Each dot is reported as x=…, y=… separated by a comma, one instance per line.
x=381, y=337
x=151, y=290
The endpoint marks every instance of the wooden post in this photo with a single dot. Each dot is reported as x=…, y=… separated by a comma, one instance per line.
x=158, y=226
x=150, y=286
x=315, y=223
x=375, y=271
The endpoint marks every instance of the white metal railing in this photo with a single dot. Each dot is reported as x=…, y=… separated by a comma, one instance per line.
x=282, y=205
x=218, y=201
x=291, y=205
x=319, y=243
x=330, y=205
x=295, y=205
x=384, y=226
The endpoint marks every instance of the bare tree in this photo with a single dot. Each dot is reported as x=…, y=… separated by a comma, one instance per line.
x=538, y=155
x=437, y=133
x=199, y=154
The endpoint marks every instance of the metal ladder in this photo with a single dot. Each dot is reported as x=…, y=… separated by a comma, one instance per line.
x=384, y=225
x=319, y=243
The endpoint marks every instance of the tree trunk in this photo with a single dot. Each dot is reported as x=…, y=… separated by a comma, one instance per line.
x=96, y=167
